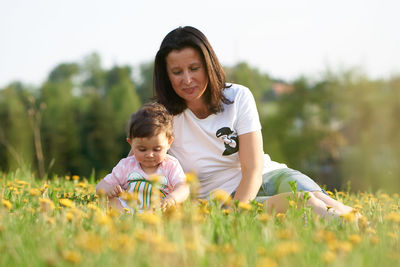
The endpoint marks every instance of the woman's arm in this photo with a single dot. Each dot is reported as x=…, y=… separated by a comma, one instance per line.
x=251, y=157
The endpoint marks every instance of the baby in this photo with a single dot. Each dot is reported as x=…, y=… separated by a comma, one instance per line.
x=150, y=136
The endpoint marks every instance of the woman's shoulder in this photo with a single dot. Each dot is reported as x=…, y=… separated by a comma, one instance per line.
x=235, y=91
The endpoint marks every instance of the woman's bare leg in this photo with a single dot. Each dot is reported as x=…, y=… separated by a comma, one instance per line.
x=280, y=203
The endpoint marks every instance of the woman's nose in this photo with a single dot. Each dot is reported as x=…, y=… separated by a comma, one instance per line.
x=187, y=78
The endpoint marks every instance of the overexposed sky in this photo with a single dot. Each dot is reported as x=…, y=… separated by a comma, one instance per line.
x=282, y=38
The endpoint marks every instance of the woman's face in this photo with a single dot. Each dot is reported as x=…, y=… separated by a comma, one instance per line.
x=187, y=74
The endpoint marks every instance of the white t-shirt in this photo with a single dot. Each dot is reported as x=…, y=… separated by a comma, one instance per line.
x=209, y=147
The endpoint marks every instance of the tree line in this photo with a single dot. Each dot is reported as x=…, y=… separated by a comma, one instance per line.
x=336, y=128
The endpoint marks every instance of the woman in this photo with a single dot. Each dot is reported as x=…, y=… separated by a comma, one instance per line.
x=217, y=129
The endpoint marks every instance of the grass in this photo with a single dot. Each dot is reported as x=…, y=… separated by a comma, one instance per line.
x=60, y=223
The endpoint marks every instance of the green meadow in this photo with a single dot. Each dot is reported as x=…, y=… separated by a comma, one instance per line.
x=62, y=222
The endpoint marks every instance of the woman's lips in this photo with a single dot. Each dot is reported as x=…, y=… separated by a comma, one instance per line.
x=189, y=90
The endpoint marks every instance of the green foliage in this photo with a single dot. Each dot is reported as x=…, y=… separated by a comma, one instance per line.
x=339, y=127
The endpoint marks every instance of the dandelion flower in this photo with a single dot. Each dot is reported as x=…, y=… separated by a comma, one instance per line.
x=374, y=240
x=149, y=218
x=280, y=216
x=264, y=217
x=90, y=242
x=6, y=203
x=286, y=248
x=393, y=217
x=75, y=177
x=355, y=239
x=34, y=192
x=66, y=202
x=329, y=256
x=244, y=206
x=72, y=256
x=221, y=196
x=265, y=261
x=46, y=205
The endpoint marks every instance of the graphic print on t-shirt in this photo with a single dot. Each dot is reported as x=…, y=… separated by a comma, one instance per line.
x=231, y=140
x=142, y=188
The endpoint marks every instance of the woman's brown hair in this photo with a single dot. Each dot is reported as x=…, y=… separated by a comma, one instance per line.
x=179, y=39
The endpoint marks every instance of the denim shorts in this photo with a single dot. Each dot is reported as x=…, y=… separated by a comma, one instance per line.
x=277, y=182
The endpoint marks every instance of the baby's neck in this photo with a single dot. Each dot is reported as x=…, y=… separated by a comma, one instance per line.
x=149, y=170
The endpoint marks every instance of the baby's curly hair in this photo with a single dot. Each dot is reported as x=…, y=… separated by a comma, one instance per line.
x=150, y=120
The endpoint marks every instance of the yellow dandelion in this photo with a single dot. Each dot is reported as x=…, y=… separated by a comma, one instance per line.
x=20, y=182
x=284, y=234
x=90, y=242
x=149, y=218
x=355, y=239
x=129, y=197
x=75, y=177
x=46, y=205
x=345, y=246
x=280, y=216
x=221, y=196
x=103, y=219
x=264, y=217
x=81, y=185
x=292, y=203
x=25, y=200
x=113, y=213
x=72, y=256
x=50, y=220
x=349, y=217
x=391, y=235
x=69, y=216
x=393, y=217
x=265, y=261
x=34, y=192
x=329, y=256
x=358, y=207
x=122, y=243
x=374, y=240
x=66, y=202
x=191, y=246
x=395, y=195
x=226, y=211
x=167, y=248
x=67, y=177
x=44, y=188
x=191, y=178
x=6, y=203
x=261, y=251
x=244, y=206
x=286, y=248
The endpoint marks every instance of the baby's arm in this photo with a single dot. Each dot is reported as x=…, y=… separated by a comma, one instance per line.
x=178, y=195
x=110, y=190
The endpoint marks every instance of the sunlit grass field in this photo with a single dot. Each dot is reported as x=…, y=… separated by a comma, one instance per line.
x=62, y=222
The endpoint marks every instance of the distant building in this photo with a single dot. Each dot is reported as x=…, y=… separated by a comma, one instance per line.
x=280, y=88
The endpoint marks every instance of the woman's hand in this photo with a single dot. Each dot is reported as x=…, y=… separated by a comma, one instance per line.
x=251, y=158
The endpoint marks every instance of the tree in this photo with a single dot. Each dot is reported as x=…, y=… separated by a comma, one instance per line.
x=15, y=130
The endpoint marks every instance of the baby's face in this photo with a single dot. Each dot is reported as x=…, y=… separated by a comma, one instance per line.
x=150, y=151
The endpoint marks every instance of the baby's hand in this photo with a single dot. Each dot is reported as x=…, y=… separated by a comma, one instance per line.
x=167, y=203
x=114, y=190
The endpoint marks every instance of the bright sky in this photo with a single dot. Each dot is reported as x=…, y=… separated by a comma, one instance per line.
x=285, y=38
